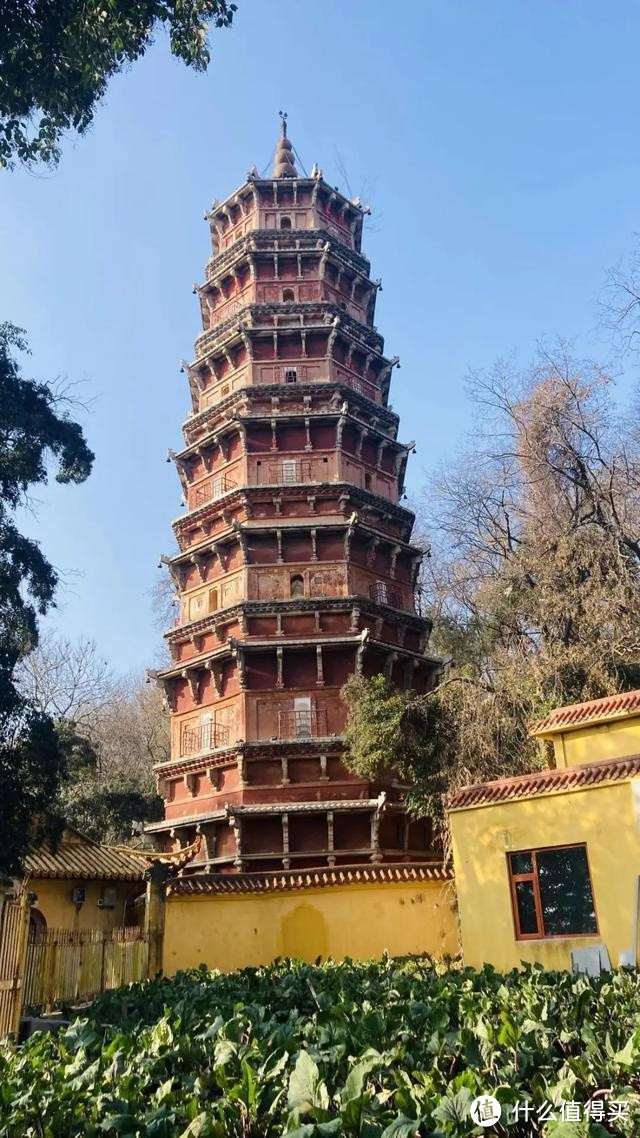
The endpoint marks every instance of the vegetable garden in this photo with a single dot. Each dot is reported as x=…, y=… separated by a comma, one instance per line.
x=390, y=1049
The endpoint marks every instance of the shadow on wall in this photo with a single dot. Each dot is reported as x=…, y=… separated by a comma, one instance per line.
x=304, y=933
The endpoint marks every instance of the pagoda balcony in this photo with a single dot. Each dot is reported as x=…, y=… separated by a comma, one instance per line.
x=293, y=373
x=212, y=490
x=202, y=738
x=311, y=723
x=289, y=470
x=383, y=595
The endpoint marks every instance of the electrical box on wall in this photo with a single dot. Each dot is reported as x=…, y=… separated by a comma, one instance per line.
x=78, y=896
x=108, y=899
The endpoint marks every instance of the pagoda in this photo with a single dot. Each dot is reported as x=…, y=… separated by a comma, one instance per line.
x=295, y=567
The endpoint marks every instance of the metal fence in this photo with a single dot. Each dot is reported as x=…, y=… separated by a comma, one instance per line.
x=204, y=737
x=302, y=724
x=383, y=595
x=73, y=965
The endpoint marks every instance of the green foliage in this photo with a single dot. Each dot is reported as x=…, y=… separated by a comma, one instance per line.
x=460, y=733
x=31, y=766
x=384, y=1049
x=381, y=733
x=102, y=804
x=56, y=60
x=34, y=428
x=106, y=813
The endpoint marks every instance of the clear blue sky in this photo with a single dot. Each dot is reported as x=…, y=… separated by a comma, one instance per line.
x=497, y=141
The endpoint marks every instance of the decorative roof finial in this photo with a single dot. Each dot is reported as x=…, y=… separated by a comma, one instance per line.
x=284, y=165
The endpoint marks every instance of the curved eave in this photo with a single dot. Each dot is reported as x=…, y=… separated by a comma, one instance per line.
x=208, y=340
x=262, y=390
x=235, y=498
x=304, y=605
x=284, y=241
x=248, y=646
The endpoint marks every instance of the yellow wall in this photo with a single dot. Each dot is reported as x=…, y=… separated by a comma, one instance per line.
x=603, y=817
x=55, y=904
x=227, y=931
x=599, y=741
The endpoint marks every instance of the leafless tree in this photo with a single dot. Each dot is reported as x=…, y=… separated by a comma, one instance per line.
x=66, y=679
x=118, y=728
x=620, y=304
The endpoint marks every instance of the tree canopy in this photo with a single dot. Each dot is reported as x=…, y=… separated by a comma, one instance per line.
x=35, y=429
x=533, y=581
x=56, y=60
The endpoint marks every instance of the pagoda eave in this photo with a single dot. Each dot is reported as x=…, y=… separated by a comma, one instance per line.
x=235, y=331
x=265, y=242
x=247, y=317
x=192, y=629
x=310, y=389
x=301, y=182
x=256, y=525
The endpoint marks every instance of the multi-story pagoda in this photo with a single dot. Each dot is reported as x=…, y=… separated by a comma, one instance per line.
x=295, y=566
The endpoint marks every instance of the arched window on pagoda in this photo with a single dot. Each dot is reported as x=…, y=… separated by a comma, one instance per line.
x=296, y=585
x=288, y=294
x=285, y=223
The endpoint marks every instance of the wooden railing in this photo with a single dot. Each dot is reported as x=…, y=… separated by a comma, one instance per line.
x=75, y=965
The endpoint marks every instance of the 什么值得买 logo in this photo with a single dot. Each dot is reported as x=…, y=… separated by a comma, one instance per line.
x=485, y=1110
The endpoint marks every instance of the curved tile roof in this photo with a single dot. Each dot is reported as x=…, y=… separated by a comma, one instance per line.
x=308, y=878
x=79, y=858
x=580, y=714
x=545, y=782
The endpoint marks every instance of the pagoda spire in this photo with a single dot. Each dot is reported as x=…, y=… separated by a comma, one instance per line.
x=284, y=166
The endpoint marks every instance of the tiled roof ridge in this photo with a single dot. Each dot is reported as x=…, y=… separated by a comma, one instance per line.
x=289, y=879
x=87, y=860
x=591, y=710
x=543, y=782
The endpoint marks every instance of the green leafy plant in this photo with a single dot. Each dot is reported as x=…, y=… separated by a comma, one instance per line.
x=389, y=1049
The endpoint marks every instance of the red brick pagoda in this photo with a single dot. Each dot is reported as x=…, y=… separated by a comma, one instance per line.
x=295, y=566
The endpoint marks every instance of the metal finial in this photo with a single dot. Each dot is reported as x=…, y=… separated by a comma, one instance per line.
x=283, y=123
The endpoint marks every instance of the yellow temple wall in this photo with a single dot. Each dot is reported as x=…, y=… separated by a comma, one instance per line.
x=605, y=818
x=54, y=901
x=597, y=742
x=230, y=931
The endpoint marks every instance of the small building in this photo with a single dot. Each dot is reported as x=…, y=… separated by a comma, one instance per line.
x=548, y=864
x=81, y=884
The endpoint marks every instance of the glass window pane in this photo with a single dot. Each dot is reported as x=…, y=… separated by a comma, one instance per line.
x=521, y=863
x=565, y=891
x=525, y=900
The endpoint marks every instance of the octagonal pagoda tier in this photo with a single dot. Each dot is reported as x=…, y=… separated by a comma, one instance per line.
x=294, y=566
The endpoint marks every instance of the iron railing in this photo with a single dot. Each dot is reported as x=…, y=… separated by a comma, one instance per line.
x=383, y=595
x=228, y=307
x=204, y=737
x=209, y=491
x=290, y=470
x=302, y=724
x=356, y=383
x=292, y=373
